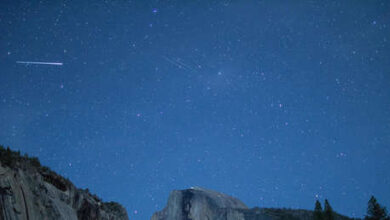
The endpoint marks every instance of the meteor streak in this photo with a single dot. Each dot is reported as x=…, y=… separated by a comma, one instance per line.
x=39, y=63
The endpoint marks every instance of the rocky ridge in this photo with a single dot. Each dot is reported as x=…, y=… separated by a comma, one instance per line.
x=30, y=191
x=202, y=204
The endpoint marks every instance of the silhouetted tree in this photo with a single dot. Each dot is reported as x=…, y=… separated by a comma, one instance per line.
x=375, y=211
x=35, y=162
x=6, y=157
x=328, y=211
x=318, y=211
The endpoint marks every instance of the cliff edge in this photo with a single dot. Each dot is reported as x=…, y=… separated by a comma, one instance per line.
x=30, y=191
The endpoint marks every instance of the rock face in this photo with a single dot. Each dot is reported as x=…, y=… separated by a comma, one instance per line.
x=198, y=204
x=202, y=204
x=29, y=191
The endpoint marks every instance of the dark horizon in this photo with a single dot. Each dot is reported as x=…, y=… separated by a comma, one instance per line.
x=10, y=160
x=275, y=103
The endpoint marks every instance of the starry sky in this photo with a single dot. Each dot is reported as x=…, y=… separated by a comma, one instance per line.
x=277, y=103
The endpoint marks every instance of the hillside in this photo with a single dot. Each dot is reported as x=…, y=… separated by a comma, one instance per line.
x=31, y=191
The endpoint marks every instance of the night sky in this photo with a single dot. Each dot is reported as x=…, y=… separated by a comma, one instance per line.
x=274, y=102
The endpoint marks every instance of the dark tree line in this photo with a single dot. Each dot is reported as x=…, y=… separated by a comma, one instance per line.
x=326, y=214
x=374, y=211
x=12, y=159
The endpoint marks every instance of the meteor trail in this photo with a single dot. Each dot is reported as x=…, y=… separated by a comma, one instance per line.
x=39, y=63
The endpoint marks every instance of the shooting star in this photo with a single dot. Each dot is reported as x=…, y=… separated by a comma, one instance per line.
x=179, y=64
x=39, y=63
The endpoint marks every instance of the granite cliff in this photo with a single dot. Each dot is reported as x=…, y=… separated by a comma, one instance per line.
x=201, y=204
x=30, y=191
